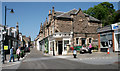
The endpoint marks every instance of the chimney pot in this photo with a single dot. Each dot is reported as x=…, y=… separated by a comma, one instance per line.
x=53, y=7
x=49, y=11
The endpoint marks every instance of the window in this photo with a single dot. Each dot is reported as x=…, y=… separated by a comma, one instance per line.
x=77, y=40
x=65, y=44
x=51, y=46
x=53, y=29
x=90, y=40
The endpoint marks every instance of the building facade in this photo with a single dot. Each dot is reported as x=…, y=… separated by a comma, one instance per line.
x=63, y=29
x=109, y=37
x=10, y=36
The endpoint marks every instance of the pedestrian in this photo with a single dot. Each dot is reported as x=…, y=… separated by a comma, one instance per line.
x=18, y=53
x=90, y=48
x=11, y=54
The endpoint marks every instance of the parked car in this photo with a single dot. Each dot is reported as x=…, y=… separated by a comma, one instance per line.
x=85, y=50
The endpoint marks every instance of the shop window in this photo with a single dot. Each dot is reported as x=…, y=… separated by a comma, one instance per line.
x=65, y=44
x=51, y=46
x=104, y=44
x=77, y=40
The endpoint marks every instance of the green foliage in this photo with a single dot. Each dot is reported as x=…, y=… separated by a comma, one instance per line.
x=105, y=12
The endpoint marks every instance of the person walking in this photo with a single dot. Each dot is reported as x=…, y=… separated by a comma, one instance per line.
x=90, y=48
x=18, y=53
x=11, y=54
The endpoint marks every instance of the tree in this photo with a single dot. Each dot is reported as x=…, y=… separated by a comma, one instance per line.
x=102, y=11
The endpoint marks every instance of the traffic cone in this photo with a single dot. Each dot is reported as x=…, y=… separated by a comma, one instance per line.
x=108, y=51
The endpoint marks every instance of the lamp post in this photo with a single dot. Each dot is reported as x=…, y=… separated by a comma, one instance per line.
x=11, y=11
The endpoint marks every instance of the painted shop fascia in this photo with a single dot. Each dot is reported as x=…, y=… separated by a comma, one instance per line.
x=109, y=37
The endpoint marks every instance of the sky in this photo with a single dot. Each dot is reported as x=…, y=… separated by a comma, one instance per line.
x=30, y=15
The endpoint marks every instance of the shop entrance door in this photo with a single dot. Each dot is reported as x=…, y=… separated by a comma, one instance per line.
x=60, y=47
x=83, y=41
x=119, y=42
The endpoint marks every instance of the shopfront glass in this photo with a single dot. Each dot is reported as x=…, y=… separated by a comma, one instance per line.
x=51, y=46
x=106, y=41
x=65, y=44
x=119, y=42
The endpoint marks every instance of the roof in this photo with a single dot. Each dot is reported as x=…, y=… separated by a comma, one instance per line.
x=67, y=14
x=58, y=13
x=27, y=39
x=73, y=11
x=91, y=18
x=104, y=29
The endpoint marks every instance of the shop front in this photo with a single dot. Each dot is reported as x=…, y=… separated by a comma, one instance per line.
x=116, y=28
x=109, y=37
x=106, y=42
x=58, y=44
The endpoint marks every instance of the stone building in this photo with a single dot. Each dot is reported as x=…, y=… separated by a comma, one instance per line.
x=58, y=31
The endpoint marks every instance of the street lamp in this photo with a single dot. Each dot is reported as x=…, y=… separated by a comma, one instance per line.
x=6, y=12
x=11, y=11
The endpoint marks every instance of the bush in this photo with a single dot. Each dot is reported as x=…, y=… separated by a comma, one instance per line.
x=22, y=53
x=96, y=47
x=14, y=51
x=46, y=51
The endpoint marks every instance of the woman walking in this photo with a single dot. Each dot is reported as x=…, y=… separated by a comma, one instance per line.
x=90, y=48
x=18, y=53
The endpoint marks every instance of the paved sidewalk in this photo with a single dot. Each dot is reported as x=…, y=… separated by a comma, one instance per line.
x=7, y=63
x=97, y=58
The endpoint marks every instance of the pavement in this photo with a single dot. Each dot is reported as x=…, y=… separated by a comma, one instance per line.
x=97, y=58
x=15, y=64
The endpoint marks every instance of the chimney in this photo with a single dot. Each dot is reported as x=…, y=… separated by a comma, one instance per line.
x=50, y=16
x=49, y=11
x=53, y=11
x=46, y=18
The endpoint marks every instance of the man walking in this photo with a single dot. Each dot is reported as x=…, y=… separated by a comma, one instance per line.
x=11, y=54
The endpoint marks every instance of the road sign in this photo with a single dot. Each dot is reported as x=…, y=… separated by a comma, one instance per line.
x=5, y=47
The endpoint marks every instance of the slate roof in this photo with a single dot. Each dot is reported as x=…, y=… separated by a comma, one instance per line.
x=26, y=38
x=91, y=18
x=74, y=11
x=105, y=29
x=67, y=14
x=58, y=13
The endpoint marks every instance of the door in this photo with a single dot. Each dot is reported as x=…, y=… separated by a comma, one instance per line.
x=60, y=47
x=83, y=41
x=119, y=42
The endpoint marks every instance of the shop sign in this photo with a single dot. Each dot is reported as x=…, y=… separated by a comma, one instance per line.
x=115, y=26
x=5, y=47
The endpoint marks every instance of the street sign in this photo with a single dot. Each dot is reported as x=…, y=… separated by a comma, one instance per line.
x=5, y=47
